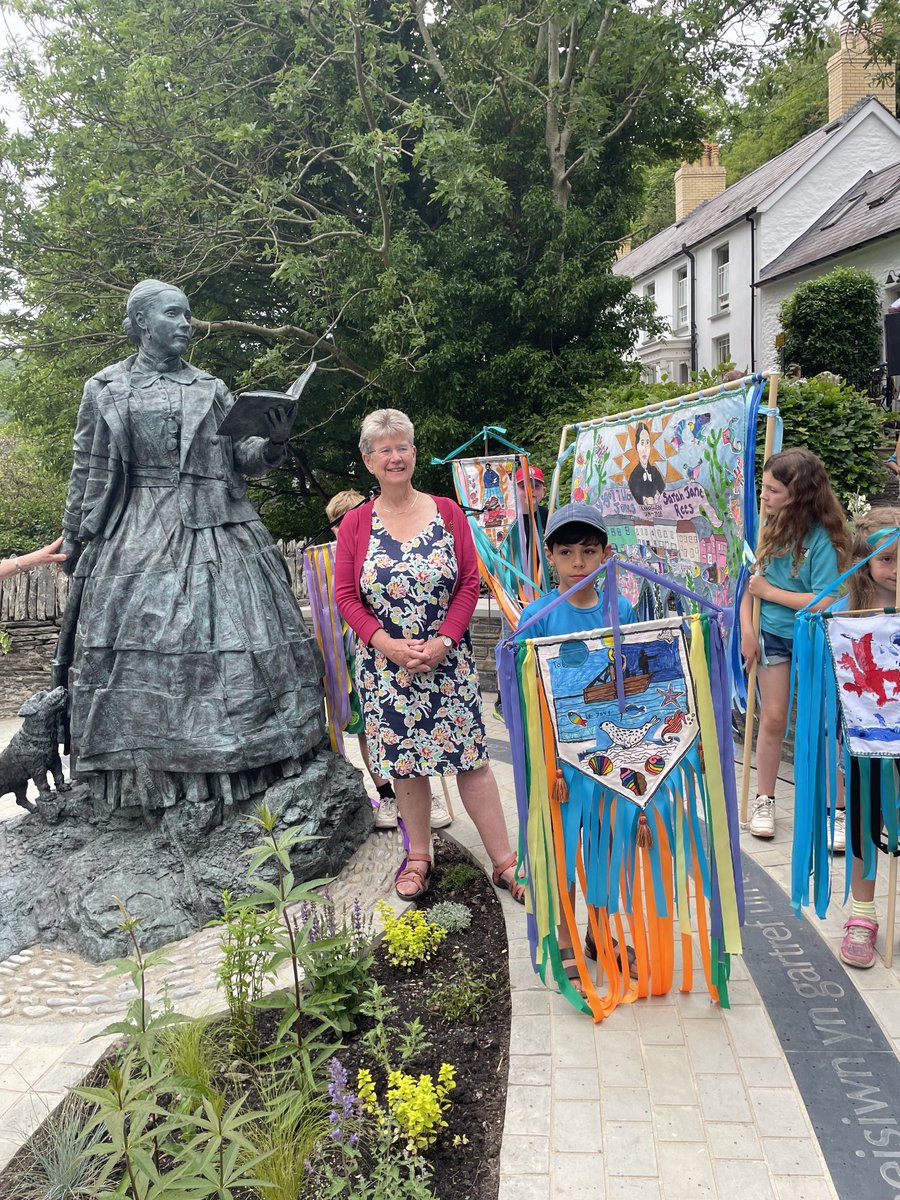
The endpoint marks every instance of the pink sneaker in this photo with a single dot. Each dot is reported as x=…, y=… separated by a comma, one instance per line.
x=858, y=946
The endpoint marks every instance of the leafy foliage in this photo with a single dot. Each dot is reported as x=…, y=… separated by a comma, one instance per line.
x=411, y=938
x=832, y=324
x=458, y=875
x=452, y=917
x=783, y=100
x=464, y=995
x=245, y=967
x=843, y=427
x=31, y=498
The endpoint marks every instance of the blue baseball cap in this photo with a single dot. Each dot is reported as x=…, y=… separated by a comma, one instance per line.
x=568, y=514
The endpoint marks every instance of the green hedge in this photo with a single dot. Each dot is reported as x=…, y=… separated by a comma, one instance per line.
x=31, y=499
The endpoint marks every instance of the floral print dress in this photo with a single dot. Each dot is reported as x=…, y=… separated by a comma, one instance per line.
x=427, y=723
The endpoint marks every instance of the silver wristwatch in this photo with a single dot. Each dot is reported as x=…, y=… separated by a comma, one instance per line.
x=448, y=641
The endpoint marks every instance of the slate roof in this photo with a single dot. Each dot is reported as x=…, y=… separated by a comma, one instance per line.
x=868, y=211
x=731, y=205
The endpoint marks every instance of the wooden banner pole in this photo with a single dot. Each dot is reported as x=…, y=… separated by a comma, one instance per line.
x=554, y=491
x=751, y=676
x=892, y=869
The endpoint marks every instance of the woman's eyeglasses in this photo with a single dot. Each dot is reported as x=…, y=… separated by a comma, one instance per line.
x=386, y=451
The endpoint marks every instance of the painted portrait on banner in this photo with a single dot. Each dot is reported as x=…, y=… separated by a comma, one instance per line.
x=487, y=486
x=629, y=748
x=865, y=651
x=670, y=484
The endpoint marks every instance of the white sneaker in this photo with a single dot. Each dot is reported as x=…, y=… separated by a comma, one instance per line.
x=762, y=817
x=440, y=818
x=839, y=841
x=386, y=813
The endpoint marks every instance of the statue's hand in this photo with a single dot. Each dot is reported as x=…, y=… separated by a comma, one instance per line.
x=279, y=420
x=72, y=550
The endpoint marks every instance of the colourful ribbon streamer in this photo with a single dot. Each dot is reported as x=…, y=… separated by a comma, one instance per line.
x=330, y=633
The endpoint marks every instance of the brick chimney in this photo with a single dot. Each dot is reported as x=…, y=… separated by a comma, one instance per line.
x=698, y=181
x=849, y=76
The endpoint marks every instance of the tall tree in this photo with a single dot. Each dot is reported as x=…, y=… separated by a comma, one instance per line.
x=425, y=197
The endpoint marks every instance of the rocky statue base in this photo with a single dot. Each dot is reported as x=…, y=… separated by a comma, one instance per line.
x=62, y=868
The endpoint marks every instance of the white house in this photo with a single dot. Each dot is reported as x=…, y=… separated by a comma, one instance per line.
x=720, y=273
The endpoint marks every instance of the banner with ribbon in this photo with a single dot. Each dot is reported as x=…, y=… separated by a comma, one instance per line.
x=642, y=864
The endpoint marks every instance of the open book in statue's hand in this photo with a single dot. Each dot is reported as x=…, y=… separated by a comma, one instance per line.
x=248, y=416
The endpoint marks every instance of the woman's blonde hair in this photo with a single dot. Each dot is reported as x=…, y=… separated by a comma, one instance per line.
x=342, y=503
x=861, y=584
x=384, y=422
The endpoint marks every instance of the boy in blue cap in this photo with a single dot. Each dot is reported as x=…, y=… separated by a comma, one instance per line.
x=577, y=543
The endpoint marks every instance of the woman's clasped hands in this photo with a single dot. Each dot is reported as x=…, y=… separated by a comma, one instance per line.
x=416, y=655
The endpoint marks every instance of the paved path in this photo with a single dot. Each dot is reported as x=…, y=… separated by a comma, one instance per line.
x=669, y=1097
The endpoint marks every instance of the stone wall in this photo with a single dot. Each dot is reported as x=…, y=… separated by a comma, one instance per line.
x=31, y=607
x=485, y=632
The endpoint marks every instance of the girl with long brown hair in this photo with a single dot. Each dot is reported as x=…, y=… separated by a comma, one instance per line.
x=804, y=545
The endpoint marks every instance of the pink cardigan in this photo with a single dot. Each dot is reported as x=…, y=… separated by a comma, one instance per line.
x=354, y=533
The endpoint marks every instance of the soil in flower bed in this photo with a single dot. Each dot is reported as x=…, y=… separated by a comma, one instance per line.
x=466, y=1156
x=469, y=1170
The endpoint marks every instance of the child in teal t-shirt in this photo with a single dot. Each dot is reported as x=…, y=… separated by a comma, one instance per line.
x=804, y=546
x=577, y=544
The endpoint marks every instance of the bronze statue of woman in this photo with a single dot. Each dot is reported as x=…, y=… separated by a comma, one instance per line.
x=191, y=672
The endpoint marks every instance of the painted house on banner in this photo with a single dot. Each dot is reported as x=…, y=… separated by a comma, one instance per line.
x=719, y=274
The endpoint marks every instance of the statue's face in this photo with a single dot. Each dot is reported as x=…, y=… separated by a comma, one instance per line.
x=165, y=324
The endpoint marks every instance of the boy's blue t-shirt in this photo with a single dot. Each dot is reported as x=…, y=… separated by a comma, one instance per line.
x=566, y=618
x=818, y=567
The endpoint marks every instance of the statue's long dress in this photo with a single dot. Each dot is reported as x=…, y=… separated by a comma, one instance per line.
x=191, y=667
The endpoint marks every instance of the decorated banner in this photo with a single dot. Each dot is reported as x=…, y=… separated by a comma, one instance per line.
x=487, y=487
x=631, y=747
x=846, y=677
x=655, y=860
x=504, y=519
x=670, y=482
x=865, y=652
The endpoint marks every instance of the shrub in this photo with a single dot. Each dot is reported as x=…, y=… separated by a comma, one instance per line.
x=452, y=917
x=465, y=994
x=841, y=425
x=459, y=877
x=31, y=499
x=410, y=939
x=834, y=324
x=248, y=947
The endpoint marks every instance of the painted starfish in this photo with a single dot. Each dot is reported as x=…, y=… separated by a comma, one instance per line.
x=669, y=695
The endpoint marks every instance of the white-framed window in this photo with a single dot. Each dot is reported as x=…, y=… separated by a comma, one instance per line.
x=649, y=294
x=722, y=349
x=723, y=300
x=683, y=373
x=682, y=301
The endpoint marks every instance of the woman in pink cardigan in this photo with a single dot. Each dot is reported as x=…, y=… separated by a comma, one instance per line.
x=406, y=582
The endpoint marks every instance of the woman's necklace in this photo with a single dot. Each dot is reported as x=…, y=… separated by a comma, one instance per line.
x=399, y=512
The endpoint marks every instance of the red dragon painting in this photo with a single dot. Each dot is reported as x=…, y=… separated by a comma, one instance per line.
x=868, y=676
